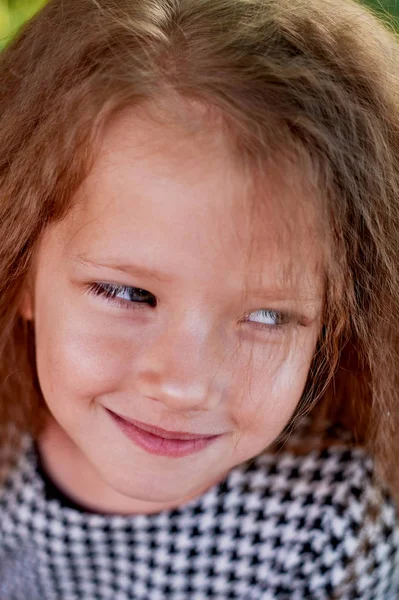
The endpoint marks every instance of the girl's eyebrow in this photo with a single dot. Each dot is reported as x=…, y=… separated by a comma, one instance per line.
x=306, y=297
x=130, y=268
x=143, y=271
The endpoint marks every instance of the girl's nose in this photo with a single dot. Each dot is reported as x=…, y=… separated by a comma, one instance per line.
x=181, y=368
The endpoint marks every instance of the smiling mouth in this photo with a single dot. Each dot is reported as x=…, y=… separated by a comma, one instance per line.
x=162, y=442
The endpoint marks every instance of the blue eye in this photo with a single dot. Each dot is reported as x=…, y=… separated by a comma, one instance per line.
x=123, y=296
x=272, y=320
x=268, y=317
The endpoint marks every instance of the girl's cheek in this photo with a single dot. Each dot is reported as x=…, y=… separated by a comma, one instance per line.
x=82, y=362
x=271, y=396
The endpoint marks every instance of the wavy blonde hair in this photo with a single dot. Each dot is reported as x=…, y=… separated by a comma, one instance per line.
x=320, y=76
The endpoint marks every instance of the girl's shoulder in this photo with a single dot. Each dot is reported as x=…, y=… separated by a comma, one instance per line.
x=338, y=516
x=337, y=479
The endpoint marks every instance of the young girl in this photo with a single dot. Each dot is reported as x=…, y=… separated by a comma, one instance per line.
x=199, y=282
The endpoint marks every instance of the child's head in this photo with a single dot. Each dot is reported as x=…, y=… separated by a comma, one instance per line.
x=190, y=352
x=226, y=171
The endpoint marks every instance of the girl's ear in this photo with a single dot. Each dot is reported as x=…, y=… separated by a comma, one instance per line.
x=25, y=308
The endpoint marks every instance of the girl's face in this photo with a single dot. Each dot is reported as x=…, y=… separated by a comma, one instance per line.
x=210, y=331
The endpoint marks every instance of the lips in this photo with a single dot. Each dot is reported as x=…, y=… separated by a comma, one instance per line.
x=162, y=442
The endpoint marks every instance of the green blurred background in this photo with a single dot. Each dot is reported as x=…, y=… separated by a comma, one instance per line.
x=15, y=12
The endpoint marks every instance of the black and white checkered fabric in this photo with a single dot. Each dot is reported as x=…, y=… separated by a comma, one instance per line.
x=283, y=527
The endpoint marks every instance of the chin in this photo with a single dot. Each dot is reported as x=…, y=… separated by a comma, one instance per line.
x=149, y=489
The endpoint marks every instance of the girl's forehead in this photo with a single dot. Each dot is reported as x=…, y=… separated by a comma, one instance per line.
x=166, y=190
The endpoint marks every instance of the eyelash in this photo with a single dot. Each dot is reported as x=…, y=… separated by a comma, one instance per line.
x=109, y=291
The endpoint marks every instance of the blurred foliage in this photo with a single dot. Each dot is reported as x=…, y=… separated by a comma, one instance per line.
x=387, y=9
x=13, y=13
x=385, y=6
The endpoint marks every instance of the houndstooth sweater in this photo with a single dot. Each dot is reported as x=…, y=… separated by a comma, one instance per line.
x=282, y=527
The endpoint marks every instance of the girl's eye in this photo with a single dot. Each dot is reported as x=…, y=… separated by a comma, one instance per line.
x=123, y=296
x=273, y=320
